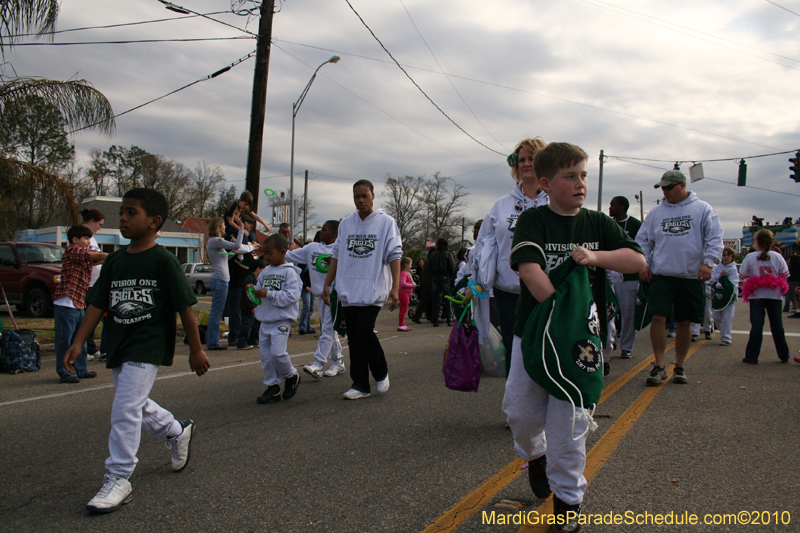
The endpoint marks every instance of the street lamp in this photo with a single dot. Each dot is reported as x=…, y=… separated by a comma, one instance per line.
x=640, y=199
x=295, y=109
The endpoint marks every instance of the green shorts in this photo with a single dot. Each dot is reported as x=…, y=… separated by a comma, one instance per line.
x=687, y=295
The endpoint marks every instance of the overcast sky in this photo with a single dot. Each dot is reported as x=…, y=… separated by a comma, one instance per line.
x=660, y=80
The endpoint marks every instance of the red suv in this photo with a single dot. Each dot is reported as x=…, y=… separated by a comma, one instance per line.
x=29, y=272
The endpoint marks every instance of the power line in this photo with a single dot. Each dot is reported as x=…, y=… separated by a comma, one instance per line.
x=698, y=160
x=780, y=6
x=110, y=26
x=751, y=187
x=542, y=95
x=373, y=105
x=140, y=41
x=448, y=77
x=416, y=85
x=619, y=10
x=214, y=75
x=181, y=9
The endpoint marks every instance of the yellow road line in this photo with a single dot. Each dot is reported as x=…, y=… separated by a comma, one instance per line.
x=604, y=447
x=476, y=499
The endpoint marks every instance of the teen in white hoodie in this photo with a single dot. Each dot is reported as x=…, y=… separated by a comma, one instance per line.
x=365, y=264
x=493, y=246
x=328, y=339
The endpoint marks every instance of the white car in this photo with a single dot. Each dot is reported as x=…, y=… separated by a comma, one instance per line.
x=198, y=275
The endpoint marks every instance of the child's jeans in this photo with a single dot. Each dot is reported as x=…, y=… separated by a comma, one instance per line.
x=67, y=323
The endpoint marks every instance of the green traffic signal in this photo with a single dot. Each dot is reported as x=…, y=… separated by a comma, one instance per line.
x=795, y=168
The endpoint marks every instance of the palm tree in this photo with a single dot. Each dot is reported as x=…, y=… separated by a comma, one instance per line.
x=82, y=106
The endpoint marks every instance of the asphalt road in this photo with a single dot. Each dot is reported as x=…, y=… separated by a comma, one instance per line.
x=724, y=443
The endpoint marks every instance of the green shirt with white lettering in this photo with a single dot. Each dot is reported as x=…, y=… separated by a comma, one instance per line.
x=142, y=294
x=557, y=235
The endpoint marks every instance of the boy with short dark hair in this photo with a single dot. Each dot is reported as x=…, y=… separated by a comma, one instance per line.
x=69, y=299
x=140, y=287
x=241, y=207
x=279, y=287
x=555, y=232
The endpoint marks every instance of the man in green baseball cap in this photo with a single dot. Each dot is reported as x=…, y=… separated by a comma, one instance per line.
x=670, y=177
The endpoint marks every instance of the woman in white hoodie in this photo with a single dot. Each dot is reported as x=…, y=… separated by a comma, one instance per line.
x=493, y=245
x=365, y=263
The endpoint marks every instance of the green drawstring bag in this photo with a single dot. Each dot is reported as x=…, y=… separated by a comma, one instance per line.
x=612, y=302
x=724, y=294
x=642, y=317
x=561, y=345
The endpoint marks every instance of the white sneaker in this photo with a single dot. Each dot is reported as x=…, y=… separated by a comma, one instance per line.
x=314, y=370
x=182, y=445
x=355, y=394
x=116, y=491
x=89, y=357
x=383, y=385
x=335, y=369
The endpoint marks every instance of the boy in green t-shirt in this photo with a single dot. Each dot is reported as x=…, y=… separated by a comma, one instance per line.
x=140, y=287
x=540, y=422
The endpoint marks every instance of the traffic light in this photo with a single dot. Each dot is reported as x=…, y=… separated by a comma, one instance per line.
x=795, y=168
x=742, y=174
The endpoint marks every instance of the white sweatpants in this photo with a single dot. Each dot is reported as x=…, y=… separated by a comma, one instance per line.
x=275, y=361
x=133, y=412
x=610, y=340
x=725, y=320
x=626, y=294
x=328, y=339
x=541, y=424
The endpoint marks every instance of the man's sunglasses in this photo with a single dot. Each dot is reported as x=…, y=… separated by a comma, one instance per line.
x=669, y=187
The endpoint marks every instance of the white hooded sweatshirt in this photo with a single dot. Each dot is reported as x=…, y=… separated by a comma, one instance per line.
x=677, y=239
x=493, y=246
x=307, y=255
x=363, y=251
x=282, y=301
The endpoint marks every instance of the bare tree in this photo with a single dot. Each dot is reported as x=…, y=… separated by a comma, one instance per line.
x=206, y=180
x=404, y=202
x=444, y=205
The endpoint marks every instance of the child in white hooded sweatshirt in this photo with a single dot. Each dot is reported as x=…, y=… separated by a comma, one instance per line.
x=279, y=287
x=365, y=262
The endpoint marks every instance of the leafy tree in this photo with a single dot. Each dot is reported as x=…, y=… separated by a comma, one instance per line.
x=224, y=200
x=444, y=201
x=404, y=202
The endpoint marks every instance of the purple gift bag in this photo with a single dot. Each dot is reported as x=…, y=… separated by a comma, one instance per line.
x=462, y=359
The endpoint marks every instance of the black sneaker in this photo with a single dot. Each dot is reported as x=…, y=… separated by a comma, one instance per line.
x=537, y=476
x=657, y=375
x=708, y=335
x=290, y=386
x=694, y=338
x=567, y=517
x=606, y=369
x=311, y=331
x=272, y=394
x=679, y=376
x=625, y=354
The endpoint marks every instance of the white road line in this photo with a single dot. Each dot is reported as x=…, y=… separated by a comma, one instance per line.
x=168, y=376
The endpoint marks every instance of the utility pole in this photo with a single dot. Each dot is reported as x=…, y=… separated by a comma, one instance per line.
x=305, y=211
x=259, y=105
x=600, y=185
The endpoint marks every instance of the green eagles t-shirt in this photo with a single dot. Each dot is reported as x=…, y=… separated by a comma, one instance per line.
x=558, y=235
x=141, y=293
x=631, y=227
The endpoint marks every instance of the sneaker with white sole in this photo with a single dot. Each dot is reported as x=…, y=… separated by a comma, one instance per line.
x=355, y=394
x=334, y=370
x=181, y=445
x=657, y=375
x=314, y=370
x=115, y=493
x=679, y=375
x=383, y=385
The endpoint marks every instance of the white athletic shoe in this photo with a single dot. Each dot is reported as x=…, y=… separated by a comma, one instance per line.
x=116, y=491
x=182, y=445
x=335, y=369
x=383, y=385
x=355, y=394
x=314, y=370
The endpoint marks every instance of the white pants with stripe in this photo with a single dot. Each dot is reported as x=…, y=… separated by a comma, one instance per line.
x=133, y=412
x=328, y=339
x=541, y=425
x=275, y=361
